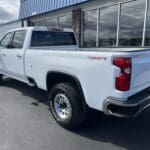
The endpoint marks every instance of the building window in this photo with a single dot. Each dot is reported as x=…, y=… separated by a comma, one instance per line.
x=34, y=23
x=108, y=26
x=90, y=27
x=51, y=22
x=128, y=28
x=65, y=21
x=62, y=22
x=41, y=23
x=147, y=36
x=131, y=23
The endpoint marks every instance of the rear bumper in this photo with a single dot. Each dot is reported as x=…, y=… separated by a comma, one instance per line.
x=132, y=107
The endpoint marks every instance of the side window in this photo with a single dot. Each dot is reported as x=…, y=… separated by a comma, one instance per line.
x=6, y=41
x=18, y=39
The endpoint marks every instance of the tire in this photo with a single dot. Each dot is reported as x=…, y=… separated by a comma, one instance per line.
x=64, y=96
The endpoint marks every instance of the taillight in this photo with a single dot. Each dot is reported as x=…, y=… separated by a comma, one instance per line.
x=124, y=78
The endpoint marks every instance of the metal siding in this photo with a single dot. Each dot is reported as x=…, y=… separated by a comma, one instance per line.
x=30, y=7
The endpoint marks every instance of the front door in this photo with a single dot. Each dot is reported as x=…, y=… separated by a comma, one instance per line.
x=13, y=56
x=4, y=45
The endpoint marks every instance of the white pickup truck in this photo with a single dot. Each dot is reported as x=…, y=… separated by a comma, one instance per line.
x=115, y=81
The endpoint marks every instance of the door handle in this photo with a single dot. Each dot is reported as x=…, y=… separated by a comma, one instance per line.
x=19, y=56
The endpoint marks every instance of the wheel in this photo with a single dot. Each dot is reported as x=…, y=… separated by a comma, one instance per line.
x=67, y=106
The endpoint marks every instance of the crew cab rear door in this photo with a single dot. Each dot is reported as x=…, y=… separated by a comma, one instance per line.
x=13, y=56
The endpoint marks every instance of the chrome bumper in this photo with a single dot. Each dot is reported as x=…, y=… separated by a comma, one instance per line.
x=132, y=107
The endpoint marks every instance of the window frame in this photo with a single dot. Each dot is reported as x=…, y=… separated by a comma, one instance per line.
x=118, y=24
x=98, y=23
x=145, y=22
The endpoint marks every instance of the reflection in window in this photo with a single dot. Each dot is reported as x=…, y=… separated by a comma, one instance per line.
x=108, y=26
x=131, y=23
x=90, y=28
x=65, y=21
x=51, y=22
x=147, y=36
x=41, y=23
x=6, y=41
x=46, y=38
x=18, y=39
x=34, y=23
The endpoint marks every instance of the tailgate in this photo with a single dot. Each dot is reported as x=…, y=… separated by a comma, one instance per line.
x=140, y=70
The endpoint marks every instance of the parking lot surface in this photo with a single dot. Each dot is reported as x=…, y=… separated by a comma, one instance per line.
x=26, y=124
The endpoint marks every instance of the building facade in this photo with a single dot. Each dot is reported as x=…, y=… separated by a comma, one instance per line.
x=8, y=26
x=97, y=23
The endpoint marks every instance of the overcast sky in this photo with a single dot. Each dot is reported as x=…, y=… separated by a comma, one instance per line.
x=9, y=10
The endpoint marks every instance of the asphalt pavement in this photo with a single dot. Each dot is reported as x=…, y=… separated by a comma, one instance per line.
x=26, y=124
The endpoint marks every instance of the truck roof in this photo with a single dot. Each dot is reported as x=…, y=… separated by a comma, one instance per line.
x=43, y=29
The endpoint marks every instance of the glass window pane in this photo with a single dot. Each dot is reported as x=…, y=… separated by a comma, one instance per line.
x=18, y=39
x=131, y=23
x=90, y=28
x=41, y=23
x=46, y=38
x=108, y=26
x=147, y=36
x=35, y=23
x=65, y=21
x=6, y=41
x=51, y=22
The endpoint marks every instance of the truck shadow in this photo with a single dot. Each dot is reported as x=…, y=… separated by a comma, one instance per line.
x=38, y=95
x=131, y=134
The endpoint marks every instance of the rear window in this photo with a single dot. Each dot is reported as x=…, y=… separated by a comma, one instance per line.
x=48, y=38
